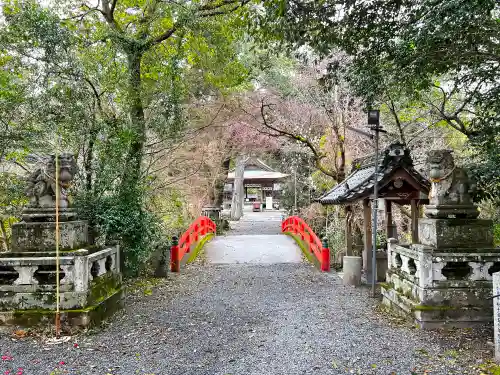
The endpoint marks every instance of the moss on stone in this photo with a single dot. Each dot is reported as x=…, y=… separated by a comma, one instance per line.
x=199, y=247
x=432, y=308
x=389, y=285
x=7, y=294
x=50, y=298
x=38, y=295
x=95, y=313
x=307, y=254
x=410, y=296
x=102, y=287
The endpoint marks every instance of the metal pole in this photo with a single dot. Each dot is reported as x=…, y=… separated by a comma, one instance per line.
x=58, y=278
x=374, y=210
x=326, y=224
x=295, y=191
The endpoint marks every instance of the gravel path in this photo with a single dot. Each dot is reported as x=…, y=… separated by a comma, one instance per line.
x=246, y=320
x=256, y=239
x=257, y=223
x=255, y=249
x=243, y=319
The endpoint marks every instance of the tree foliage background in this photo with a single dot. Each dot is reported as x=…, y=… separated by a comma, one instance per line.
x=156, y=99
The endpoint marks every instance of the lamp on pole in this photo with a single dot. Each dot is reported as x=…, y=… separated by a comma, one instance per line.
x=374, y=124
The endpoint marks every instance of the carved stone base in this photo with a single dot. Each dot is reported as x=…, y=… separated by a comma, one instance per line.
x=437, y=316
x=41, y=236
x=90, y=287
x=455, y=233
x=72, y=319
x=441, y=288
x=451, y=211
x=47, y=214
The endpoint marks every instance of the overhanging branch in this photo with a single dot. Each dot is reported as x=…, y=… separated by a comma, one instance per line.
x=318, y=156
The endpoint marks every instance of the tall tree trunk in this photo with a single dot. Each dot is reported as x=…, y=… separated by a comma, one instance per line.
x=138, y=125
x=219, y=199
x=237, y=203
x=87, y=163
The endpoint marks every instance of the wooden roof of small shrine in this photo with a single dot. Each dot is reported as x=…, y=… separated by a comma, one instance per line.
x=397, y=179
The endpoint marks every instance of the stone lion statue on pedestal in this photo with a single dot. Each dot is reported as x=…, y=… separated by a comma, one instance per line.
x=41, y=188
x=450, y=188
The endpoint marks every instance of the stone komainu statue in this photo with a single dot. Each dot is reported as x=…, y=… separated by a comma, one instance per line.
x=41, y=187
x=451, y=187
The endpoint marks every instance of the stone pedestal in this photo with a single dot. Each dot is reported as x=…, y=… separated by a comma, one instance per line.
x=447, y=279
x=40, y=236
x=455, y=233
x=90, y=283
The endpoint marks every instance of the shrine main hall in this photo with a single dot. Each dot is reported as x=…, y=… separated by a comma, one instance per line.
x=261, y=182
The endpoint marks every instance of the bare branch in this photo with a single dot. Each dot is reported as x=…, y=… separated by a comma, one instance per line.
x=392, y=108
x=318, y=156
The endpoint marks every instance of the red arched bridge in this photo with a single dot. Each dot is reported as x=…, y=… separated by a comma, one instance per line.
x=250, y=245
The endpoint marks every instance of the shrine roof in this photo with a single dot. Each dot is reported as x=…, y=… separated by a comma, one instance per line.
x=256, y=169
x=257, y=174
x=359, y=184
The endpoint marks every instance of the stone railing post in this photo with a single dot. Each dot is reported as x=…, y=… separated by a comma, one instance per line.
x=391, y=243
x=81, y=271
x=426, y=268
x=162, y=267
x=118, y=264
x=496, y=313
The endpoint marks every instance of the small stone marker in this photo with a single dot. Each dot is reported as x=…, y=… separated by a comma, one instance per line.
x=496, y=313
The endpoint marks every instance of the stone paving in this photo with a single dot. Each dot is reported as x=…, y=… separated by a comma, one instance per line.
x=250, y=319
x=257, y=223
x=255, y=239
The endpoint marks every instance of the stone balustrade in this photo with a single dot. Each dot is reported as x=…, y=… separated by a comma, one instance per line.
x=29, y=282
x=440, y=284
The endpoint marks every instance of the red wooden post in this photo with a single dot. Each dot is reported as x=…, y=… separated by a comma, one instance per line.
x=325, y=256
x=175, y=264
x=203, y=225
x=196, y=230
x=187, y=243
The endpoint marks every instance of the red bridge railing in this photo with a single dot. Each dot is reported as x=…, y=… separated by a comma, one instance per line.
x=299, y=227
x=196, y=231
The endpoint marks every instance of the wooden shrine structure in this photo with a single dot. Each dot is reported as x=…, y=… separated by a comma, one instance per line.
x=398, y=182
